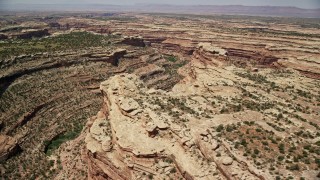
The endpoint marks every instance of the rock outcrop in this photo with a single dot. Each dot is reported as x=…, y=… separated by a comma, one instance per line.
x=208, y=47
x=112, y=57
x=184, y=46
x=207, y=53
x=134, y=41
x=8, y=147
x=143, y=142
x=27, y=34
x=133, y=137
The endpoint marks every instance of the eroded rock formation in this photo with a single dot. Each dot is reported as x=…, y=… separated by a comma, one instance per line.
x=131, y=138
x=244, y=57
x=129, y=151
x=134, y=41
x=8, y=147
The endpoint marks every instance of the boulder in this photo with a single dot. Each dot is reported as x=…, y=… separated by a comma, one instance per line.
x=226, y=160
x=151, y=127
x=214, y=144
x=128, y=105
x=99, y=129
x=92, y=145
x=107, y=144
x=163, y=164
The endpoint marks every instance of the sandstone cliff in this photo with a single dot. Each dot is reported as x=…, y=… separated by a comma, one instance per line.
x=137, y=135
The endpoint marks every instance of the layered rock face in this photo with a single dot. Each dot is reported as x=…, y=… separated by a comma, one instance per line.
x=245, y=57
x=208, y=53
x=134, y=136
x=134, y=41
x=141, y=142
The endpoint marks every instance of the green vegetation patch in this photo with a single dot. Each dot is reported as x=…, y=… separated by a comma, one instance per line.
x=254, y=77
x=71, y=41
x=172, y=58
x=62, y=138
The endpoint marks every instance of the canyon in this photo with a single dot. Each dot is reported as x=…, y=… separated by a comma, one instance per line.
x=159, y=96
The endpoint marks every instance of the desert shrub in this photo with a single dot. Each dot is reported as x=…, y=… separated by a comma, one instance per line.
x=56, y=142
x=281, y=148
x=280, y=158
x=256, y=151
x=220, y=128
x=171, y=58
x=294, y=167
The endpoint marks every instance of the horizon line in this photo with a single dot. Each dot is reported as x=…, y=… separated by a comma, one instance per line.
x=137, y=4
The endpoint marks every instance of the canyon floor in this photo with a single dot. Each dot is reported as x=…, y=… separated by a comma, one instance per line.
x=159, y=96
